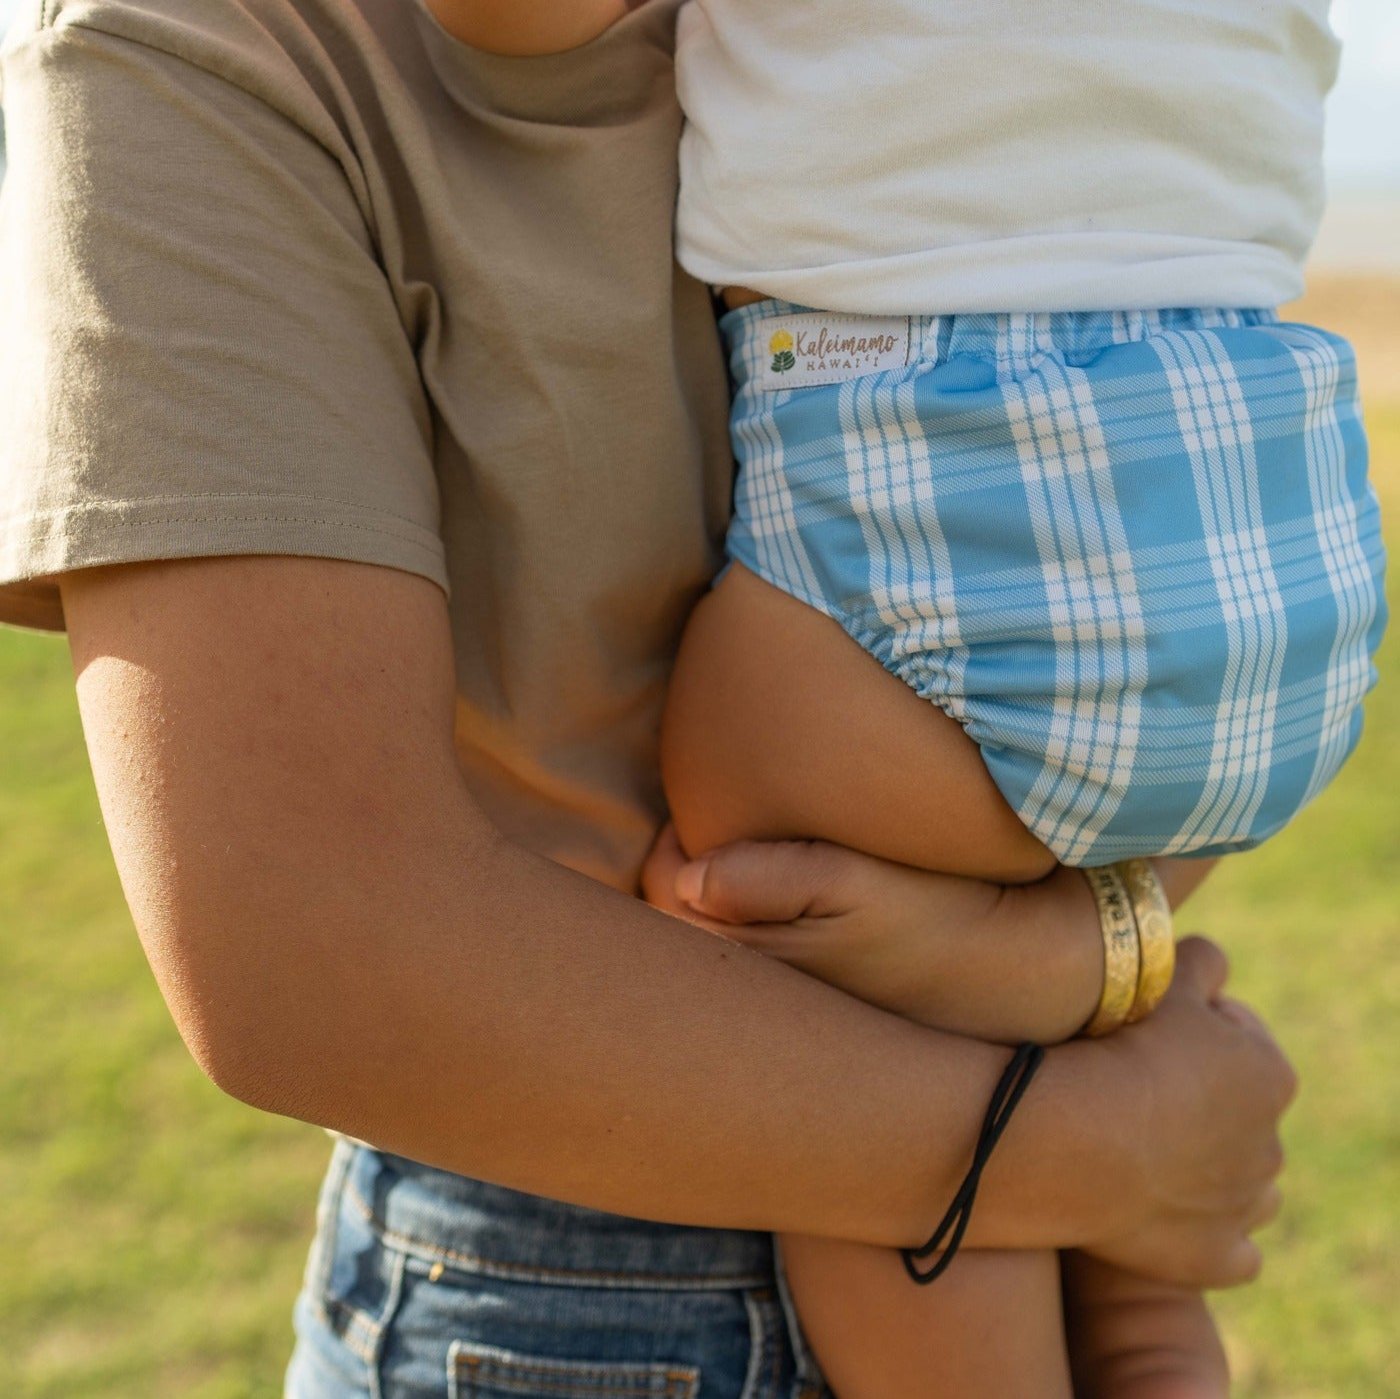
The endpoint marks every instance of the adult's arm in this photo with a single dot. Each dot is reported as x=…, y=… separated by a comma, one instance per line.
x=342, y=937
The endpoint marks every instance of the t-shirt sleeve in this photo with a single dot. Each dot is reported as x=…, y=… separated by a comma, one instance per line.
x=200, y=353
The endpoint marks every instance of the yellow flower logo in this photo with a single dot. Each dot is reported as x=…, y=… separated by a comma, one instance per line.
x=780, y=347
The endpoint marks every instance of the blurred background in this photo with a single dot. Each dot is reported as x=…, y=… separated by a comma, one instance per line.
x=152, y=1231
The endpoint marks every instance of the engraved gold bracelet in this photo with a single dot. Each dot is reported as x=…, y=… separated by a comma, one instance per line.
x=1156, y=939
x=1122, y=956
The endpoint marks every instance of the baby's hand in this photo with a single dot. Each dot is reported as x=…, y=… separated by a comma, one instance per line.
x=524, y=28
x=972, y=958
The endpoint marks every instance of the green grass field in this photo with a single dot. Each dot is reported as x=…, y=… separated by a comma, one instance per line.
x=152, y=1231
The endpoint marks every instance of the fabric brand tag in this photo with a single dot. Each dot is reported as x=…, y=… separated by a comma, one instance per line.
x=828, y=347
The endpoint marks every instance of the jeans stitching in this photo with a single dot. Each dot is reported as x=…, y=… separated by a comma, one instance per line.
x=758, y=1345
x=381, y=1327
x=468, y=1372
x=318, y=1273
x=477, y=1263
x=347, y=1323
x=361, y=1332
x=775, y=1352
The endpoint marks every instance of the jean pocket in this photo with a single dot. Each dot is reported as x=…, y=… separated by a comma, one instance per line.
x=486, y=1372
x=353, y=1282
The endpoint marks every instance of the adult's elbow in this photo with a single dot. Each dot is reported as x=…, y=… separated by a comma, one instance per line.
x=235, y=1015
x=230, y=1064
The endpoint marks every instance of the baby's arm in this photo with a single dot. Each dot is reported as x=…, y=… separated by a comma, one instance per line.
x=1009, y=965
x=522, y=28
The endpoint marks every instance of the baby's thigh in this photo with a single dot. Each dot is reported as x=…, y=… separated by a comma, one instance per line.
x=780, y=726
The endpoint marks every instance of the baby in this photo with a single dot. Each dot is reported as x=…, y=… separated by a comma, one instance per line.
x=1016, y=419
x=1052, y=544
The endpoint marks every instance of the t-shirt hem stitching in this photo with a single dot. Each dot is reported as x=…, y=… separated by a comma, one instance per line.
x=45, y=519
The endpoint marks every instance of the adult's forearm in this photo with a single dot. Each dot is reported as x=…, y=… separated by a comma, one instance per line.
x=343, y=937
x=493, y=1014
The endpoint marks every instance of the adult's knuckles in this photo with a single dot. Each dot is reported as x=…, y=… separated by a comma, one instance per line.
x=1267, y=1209
x=1204, y=1264
x=1202, y=964
x=1233, y=1264
x=1250, y=1265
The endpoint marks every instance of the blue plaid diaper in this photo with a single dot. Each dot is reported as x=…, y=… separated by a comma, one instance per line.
x=1135, y=555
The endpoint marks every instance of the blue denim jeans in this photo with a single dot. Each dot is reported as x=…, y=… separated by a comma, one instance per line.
x=421, y=1283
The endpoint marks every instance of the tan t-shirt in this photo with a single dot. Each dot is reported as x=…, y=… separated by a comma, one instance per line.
x=313, y=277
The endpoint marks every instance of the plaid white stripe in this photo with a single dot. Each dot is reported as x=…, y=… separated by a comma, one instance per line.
x=1135, y=554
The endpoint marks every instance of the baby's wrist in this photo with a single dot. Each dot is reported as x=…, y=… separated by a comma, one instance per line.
x=1064, y=945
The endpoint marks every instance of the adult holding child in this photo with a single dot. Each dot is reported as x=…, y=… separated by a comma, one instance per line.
x=360, y=431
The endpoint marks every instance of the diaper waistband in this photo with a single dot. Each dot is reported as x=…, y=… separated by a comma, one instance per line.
x=779, y=345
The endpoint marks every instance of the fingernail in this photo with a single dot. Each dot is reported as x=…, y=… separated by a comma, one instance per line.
x=690, y=882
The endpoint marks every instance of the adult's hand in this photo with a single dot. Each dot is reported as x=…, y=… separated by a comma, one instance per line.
x=1198, y=1135
x=1178, y=1151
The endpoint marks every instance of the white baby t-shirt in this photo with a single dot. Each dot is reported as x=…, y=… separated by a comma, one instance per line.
x=933, y=156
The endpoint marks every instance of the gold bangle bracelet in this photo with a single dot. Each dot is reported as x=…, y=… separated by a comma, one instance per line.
x=1156, y=939
x=1122, y=957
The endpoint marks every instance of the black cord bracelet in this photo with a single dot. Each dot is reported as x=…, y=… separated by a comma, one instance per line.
x=1008, y=1093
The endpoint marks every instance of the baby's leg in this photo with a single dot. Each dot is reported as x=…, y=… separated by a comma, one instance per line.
x=990, y=1326
x=1132, y=1338
x=779, y=725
